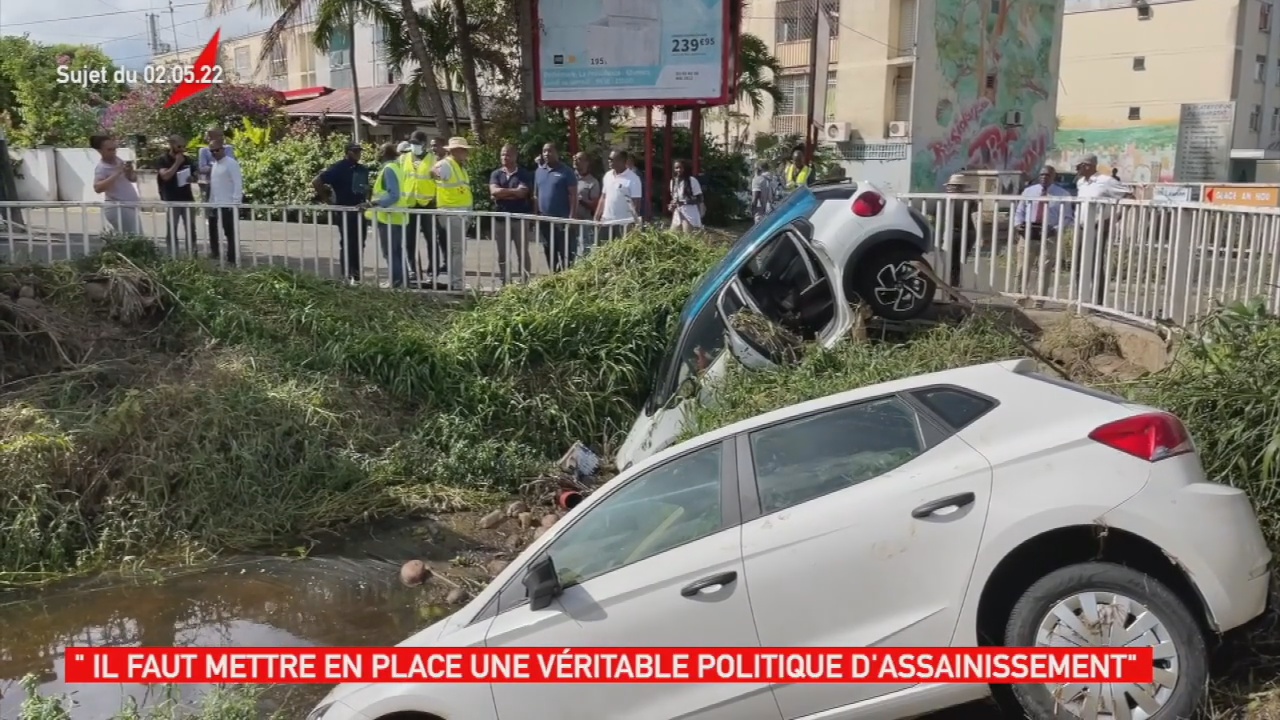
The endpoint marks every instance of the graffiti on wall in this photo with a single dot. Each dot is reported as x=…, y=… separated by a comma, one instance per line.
x=1142, y=153
x=994, y=58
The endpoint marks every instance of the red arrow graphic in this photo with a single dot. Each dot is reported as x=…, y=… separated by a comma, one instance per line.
x=205, y=72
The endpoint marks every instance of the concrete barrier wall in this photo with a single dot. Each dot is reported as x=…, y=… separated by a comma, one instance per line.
x=49, y=174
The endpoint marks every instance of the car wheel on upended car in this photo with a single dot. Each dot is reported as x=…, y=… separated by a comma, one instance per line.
x=890, y=284
x=1100, y=604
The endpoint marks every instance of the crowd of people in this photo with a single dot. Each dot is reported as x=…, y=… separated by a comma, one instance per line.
x=560, y=205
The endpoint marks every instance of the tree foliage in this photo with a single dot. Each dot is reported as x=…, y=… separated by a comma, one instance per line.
x=36, y=108
x=142, y=111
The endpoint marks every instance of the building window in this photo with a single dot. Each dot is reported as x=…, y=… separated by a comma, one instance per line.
x=1255, y=119
x=306, y=60
x=340, y=60
x=1139, y=64
x=794, y=19
x=1275, y=120
x=902, y=95
x=1135, y=113
x=991, y=81
x=278, y=67
x=243, y=72
x=795, y=94
x=1259, y=68
x=995, y=7
x=1144, y=12
x=385, y=73
x=1264, y=17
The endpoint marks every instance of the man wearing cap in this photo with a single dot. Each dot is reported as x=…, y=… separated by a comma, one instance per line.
x=1093, y=185
x=387, y=211
x=422, y=193
x=346, y=185
x=453, y=196
x=762, y=189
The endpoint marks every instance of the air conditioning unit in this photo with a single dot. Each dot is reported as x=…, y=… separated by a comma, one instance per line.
x=1013, y=118
x=836, y=132
x=899, y=129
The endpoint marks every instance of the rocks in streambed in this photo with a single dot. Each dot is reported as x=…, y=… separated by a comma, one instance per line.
x=525, y=520
x=492, y=520
x=414, y=573
x=549, y=520
x=456, y=596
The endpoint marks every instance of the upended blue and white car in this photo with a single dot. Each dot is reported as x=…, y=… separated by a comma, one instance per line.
x=802, y=266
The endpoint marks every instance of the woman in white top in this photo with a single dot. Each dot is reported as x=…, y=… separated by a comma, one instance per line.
x=686, y=199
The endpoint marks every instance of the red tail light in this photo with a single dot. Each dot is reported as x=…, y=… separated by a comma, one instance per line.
x=1152, y=436
x=868, y=204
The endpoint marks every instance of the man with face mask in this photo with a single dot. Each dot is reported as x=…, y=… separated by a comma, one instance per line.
x=421, y=188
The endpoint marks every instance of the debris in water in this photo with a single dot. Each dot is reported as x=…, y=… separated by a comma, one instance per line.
x=580, y=461
x=414, y=573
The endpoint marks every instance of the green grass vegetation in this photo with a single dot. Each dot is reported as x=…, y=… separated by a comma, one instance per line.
x=158, y=411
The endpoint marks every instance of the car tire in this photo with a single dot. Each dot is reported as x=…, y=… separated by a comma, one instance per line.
x=890, y=286
x=1175, y=625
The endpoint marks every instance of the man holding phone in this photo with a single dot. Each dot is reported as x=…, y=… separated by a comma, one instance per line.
x=215, y=139
x=114, y=178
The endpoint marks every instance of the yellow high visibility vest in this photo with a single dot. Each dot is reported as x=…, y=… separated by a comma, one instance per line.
x=454, y=193
x=417, y=174
x=390, y=217
x=795, y=179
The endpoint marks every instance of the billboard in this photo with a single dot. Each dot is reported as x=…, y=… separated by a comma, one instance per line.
x=1204, y=142
x=631, y=52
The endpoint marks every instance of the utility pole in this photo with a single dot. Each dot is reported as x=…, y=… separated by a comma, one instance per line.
x=355, y=78
x=173, y=25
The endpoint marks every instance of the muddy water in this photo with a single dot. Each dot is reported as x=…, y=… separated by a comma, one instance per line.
x=349, y=596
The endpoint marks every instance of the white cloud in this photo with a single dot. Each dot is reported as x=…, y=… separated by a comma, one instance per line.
x=120, y=27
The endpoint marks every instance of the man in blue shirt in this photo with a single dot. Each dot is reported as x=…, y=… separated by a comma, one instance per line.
x=555, y=193
x=346, y=184
x=510, y=186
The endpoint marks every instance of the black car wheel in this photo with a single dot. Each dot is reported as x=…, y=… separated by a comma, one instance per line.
x=889, y=282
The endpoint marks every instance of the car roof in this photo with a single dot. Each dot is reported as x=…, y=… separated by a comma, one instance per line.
x=961, y=376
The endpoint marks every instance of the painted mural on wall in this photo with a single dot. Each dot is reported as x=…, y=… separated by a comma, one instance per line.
x=1143, y=153
x=994, y=56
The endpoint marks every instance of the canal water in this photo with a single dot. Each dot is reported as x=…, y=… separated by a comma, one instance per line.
x=349, y=596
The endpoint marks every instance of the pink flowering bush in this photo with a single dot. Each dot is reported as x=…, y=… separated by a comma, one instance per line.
x=142, y=111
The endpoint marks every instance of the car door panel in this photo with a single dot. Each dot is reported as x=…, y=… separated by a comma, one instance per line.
x=855, y=568
x=665, y=588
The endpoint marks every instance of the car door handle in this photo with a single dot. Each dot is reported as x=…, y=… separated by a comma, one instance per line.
x=952, y=501
x=706, y=583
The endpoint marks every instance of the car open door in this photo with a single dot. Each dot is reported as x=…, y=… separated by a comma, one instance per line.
x=861, y=527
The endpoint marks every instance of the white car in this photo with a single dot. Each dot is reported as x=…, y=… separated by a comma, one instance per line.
x=801, y=266
x=987, y=505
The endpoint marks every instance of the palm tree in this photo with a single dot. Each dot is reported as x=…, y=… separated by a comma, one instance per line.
x=467, y=59
x=757, y=69
x=439, y=29
x=333, y=17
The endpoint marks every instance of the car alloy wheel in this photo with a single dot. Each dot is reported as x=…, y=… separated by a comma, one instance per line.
x=899, y=286
x=1110, y=619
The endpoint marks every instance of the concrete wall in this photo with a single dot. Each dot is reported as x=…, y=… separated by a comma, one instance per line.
x=66, y=175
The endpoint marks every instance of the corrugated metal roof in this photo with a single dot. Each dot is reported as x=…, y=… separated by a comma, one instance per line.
x=339, y=102
x=381, y=101
x=296, y=96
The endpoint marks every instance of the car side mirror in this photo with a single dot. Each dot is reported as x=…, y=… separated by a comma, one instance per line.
x=542, y=583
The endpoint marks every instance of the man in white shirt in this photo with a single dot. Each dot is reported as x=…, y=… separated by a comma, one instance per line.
x=1044, y=218
x=621, y=194
x=226, y=191
x=1093, y=185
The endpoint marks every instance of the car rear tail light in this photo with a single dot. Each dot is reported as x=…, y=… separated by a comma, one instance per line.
x=1150, y=436
x=868, y=204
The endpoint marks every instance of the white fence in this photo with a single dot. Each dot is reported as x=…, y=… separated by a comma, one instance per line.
x=1147, y=261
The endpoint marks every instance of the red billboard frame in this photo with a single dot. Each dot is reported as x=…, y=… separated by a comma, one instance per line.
x=726, y=81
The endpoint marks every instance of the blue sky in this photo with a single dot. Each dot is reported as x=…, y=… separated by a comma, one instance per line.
x=119, y=27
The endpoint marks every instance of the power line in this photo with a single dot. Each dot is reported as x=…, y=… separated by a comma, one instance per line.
x=97, y=15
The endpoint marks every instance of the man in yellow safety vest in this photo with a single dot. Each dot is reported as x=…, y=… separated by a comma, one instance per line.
x=798, y=171
x=415, y=166
x=387, y=211
x=453, y=196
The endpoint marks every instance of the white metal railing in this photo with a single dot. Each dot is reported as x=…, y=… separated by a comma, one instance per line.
x=1148, y=261
x=437, y=249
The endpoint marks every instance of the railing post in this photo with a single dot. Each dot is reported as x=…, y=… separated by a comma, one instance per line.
x=1178, y=301
x=1086, y=257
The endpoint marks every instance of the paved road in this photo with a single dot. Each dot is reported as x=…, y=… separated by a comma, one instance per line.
x=64, y=233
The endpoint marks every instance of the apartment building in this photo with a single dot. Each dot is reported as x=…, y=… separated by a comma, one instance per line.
x=1137, y=73
x=919, y=89
x=296, y=64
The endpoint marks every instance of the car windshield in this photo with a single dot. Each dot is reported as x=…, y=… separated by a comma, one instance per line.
x=700, y=336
